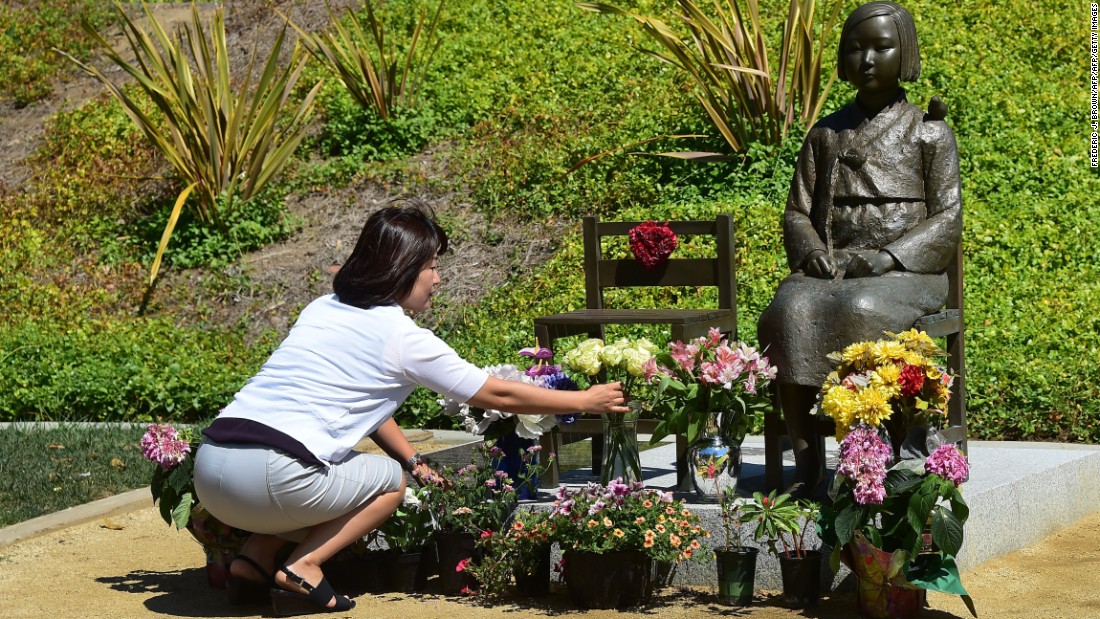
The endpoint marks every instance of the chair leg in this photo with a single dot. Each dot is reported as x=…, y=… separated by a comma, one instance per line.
x=551, y=443
x=683, y=483
x=597, y=454
x=773, y=452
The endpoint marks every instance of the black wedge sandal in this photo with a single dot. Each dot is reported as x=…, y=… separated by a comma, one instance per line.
x=289, y=603
x=241, y=591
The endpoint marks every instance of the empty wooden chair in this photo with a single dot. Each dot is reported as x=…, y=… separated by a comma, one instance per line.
x=601, y=273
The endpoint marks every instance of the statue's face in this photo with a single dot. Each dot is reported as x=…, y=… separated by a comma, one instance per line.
x=871, y=54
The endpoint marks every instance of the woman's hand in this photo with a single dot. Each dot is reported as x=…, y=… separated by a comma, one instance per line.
x=870, y=266
x=426, y=476
x=820, y=265
x=606, y=398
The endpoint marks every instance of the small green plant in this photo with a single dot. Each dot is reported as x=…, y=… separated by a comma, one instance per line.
x=513, y=552
x=410, y=528
x=380, y=75
x=727, y=60
x=780, y=521
x=226, y=140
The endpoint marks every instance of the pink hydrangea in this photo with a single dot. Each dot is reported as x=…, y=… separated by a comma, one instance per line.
x=948, y=462
x=162, y=444
x=863, y=459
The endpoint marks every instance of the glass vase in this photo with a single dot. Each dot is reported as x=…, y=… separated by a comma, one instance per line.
x=620, y=447
x=713, y=463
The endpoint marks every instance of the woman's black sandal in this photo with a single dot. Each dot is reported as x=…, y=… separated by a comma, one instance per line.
x=241, y=591
x=288, y=603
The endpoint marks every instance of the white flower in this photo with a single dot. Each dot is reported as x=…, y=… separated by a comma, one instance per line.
x=533, y=426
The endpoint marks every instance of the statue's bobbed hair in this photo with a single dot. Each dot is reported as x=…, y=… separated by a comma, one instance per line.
x=907, y=36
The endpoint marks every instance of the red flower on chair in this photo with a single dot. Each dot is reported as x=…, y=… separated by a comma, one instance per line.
x=652, y=243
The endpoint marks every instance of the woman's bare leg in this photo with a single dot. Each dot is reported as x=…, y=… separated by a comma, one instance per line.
x=326, y=539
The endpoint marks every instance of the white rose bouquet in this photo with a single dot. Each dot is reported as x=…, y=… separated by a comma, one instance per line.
x=625, y=361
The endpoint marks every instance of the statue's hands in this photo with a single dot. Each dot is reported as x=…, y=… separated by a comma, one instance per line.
x=870, y=266
x=820, y=265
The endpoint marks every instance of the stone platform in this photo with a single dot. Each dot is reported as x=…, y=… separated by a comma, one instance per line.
x=1018, y=493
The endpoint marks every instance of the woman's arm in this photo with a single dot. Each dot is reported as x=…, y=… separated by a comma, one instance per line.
x=524, y=399
x=392, y=440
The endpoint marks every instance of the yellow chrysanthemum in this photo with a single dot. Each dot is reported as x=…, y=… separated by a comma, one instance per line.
x=872, y=406
x=840, y=404
x=887, y=352
x=857, y=354
x=885, y=379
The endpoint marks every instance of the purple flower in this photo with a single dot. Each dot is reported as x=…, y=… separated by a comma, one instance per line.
x=162, y=444
x=863, y=459
x=538, y=352
x=948, y=462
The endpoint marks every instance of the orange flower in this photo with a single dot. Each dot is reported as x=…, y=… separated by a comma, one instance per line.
x=517, y=525
x=649, y=534
x=592, y=523
x=648, y=543
x=618, y=533
x=660, y=528
x=685, y=512
x=607, y=522
x=639, y=520
x=670, y=510
x=695, y=544
x=674, y=540
x=647, y=503
x=687, y=553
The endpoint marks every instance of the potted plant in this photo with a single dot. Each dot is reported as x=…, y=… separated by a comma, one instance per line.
x=407, y=532
x=521, y=551
x=898, y=515
x=472, y=501
x=782, y=524
x=629, y=362
x=612, y=535
x=899, y=528
x=735, y=562
x=172, y=484
x=708, y=390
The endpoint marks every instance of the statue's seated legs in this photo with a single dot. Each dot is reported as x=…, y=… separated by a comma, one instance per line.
x=796, y=402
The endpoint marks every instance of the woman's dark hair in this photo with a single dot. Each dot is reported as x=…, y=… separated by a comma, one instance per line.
x=396, y=243
x=907, y=37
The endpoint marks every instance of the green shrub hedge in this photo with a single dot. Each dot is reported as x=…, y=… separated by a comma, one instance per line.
x=520, y=92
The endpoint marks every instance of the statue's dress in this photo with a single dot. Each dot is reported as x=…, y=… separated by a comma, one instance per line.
x=864, y=183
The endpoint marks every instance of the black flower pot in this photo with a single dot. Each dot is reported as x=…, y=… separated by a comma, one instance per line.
x=661, y=574
x=452, y=549
x=801, y=579
x=736, y=575
x=534, y=579
x=617, y=579
x=404, y=572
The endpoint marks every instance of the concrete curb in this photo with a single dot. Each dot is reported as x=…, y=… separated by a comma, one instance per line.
x=104, y=508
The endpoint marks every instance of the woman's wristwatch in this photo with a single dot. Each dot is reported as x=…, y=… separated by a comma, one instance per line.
x=414, y=461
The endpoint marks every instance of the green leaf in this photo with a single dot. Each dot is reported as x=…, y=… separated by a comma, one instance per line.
x=181, y=513
x=940, y=573
x=947, y=531
x=848, y=521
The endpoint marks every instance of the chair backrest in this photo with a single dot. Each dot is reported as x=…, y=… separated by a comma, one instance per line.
x=719, y=271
